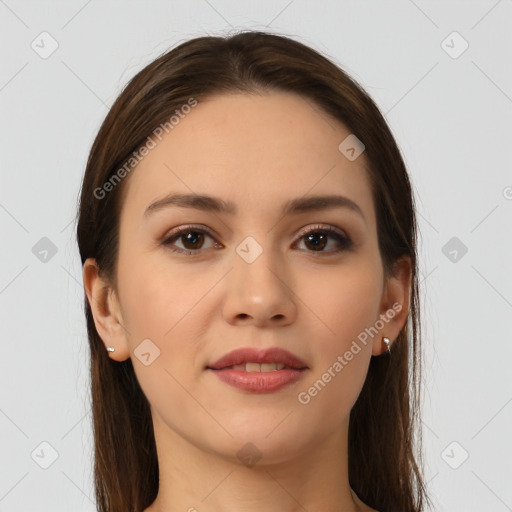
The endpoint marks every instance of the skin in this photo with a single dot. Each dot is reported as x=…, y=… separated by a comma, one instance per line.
x=257, y=151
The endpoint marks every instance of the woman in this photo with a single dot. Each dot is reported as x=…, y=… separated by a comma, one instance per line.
x=248, y=239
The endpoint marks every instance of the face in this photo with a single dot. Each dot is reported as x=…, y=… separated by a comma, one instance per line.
x=197, y=283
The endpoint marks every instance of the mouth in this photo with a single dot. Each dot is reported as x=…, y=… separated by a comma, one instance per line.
x=257, y=367
x=254, y=379
x=259, y=371
x=251, y=359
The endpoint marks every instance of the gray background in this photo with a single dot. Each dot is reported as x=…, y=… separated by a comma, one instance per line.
x=451, y=113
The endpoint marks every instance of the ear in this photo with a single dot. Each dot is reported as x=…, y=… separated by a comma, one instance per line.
x=395, y=304
x=106, y=311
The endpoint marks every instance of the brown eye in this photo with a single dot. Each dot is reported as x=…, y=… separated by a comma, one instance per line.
x=318, y=238
x=192, y=240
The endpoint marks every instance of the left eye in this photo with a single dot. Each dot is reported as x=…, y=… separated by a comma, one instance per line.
x=316, y=239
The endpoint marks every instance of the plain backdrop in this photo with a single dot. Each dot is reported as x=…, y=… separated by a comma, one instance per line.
x=440, y=72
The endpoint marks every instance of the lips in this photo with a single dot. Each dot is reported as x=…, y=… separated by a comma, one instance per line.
x=259, y=371
x=251, y=359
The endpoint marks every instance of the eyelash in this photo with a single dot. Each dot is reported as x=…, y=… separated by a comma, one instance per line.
x=344, y=241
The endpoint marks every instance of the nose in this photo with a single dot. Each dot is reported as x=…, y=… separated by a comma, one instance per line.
x=259, y=293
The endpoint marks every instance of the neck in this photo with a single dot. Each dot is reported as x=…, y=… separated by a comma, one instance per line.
x=195, y=479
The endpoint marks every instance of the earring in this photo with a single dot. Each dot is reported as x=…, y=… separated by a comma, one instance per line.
x=110, y=349
x=387, y=342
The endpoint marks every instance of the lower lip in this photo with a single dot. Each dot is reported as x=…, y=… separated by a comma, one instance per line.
x=259, y=382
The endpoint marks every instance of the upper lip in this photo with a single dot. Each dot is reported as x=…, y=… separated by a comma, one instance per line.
x=254, y=355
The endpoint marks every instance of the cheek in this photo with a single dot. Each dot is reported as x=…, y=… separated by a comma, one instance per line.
x=156, y=297
x=346, y=307
x=163, y=307
x=171, y=308
x=347, y=304
x=341, y=360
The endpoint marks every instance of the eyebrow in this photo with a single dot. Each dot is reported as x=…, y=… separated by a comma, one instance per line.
x=213, y=204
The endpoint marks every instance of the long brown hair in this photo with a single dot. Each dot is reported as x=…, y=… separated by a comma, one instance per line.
x=385, y=456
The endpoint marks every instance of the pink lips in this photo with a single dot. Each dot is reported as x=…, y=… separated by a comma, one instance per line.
x=254, y=355
x=259, y=382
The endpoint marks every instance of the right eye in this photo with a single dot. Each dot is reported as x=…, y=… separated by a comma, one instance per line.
x=191, y=237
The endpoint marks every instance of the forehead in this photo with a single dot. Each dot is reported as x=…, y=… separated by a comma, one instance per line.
x=256, y=150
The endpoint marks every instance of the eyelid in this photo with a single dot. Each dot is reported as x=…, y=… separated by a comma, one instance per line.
x=320, y=227
x=309, y=228
x=183, y=228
